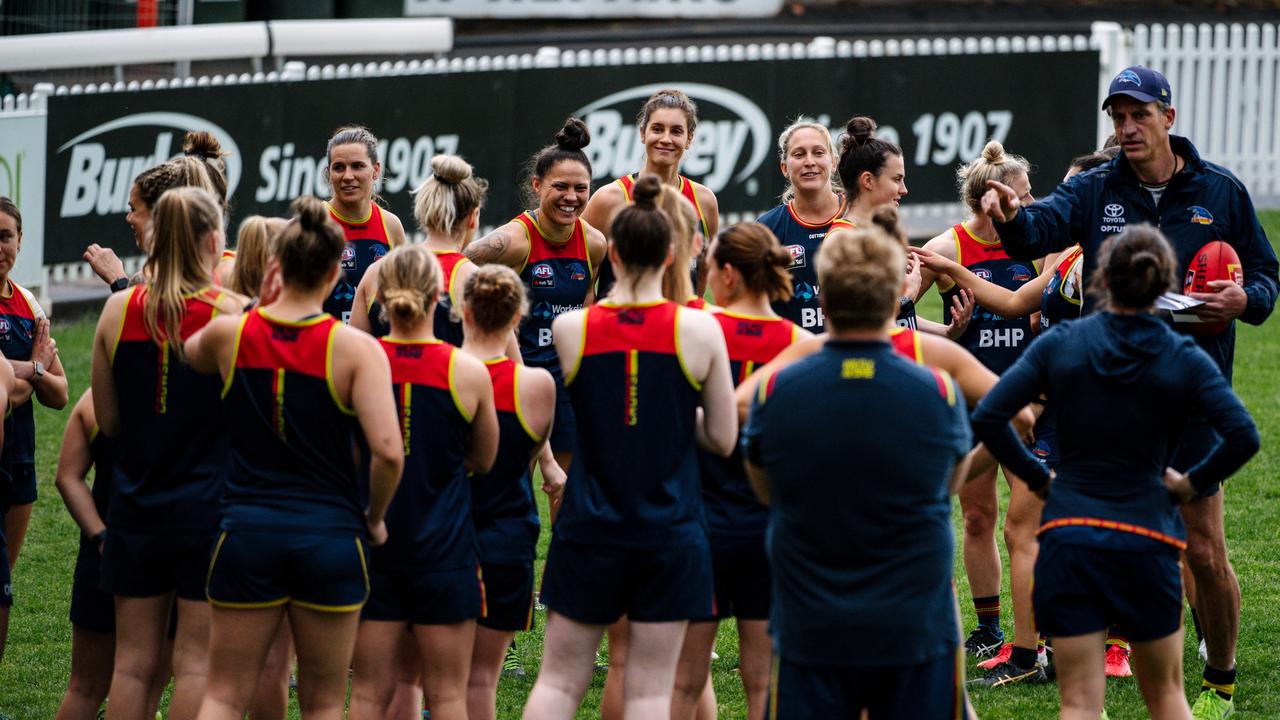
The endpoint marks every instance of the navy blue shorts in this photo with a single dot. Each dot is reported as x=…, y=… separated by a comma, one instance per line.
x=92, y=608
x=444, y=597
x=508, y=594
x=259, y=568
x=597, y=584
x=743, y=583
x=22, y=486
x=140, y=564
x=932, y=690
x=1080, y=589
x=1197, y=441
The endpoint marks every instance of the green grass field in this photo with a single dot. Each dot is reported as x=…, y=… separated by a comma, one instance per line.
x=34, y=672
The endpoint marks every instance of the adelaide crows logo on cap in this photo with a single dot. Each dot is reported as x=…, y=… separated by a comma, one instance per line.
x=1129, y=76
x=1200, y=216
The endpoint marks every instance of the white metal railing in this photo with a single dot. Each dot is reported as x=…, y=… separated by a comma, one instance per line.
x=221, y=41
x=1226, y=89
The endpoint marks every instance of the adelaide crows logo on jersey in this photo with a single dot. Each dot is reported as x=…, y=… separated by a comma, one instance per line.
x=1019, y=273
x=577, y=272
x=1200, y=216
x=798, y=258
x=379, y=250
x=543, y=276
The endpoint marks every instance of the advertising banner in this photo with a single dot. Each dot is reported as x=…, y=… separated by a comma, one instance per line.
x=22, y=172
x=942, y=110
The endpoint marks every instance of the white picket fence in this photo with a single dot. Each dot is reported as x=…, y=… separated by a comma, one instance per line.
x=1226, y=88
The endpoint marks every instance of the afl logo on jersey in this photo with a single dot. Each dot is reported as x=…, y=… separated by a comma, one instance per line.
x=5, y=327
x=1200, y=216
x=577, y=272
x=348, y=256
x=543, y=276
x=797, y=256
x=983, y=273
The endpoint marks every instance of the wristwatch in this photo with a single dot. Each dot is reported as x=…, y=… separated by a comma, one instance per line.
x=37, y=369
x=119, y=284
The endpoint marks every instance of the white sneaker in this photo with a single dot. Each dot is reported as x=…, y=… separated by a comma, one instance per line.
x=1204, y=651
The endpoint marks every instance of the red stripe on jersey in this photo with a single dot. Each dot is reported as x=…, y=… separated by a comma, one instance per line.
x=791, y=210
x=626, y=328
x=540, y=248
x=971, y=250
x=502, y=373
x=373, y=227
x=425, y=363
x=687, y=189
x=199, y=311
x=16, y=305
x=907, y=342
x=268, y=343
x=449, y=262
x=841, y=224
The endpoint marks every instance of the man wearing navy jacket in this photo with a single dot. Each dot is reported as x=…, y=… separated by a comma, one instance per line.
x=1160, y=179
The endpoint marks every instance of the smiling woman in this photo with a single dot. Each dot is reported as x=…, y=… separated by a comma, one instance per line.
x=556, y=254
x=370, y=231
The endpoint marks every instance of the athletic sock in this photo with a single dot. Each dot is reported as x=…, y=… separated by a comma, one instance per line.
x=1114, y=638
x=1222, y=682
x=1195, y=620
x=988, y=610
x=1023, y=657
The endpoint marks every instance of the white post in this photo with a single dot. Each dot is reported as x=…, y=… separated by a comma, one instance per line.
x=1114, y=45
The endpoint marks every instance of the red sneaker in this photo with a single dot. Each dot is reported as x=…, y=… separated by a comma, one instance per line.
x=1118, y=661
x=1006, y=651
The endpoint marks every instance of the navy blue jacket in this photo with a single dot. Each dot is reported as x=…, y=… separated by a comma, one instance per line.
x=1121, y=388
x=1204, y=202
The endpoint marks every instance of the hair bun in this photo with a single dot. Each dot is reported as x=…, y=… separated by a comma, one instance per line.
x=646, y=191
x=858, y=131
x=201, y=144
x=886, y=218
x=310, y=212
x=574, y=136
x=993, y=152
x=450, y=169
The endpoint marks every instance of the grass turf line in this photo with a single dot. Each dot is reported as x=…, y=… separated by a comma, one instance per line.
x=34, y=672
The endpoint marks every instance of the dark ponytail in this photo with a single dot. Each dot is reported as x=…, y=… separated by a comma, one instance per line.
x=568, y=146
x=310, y=245
x=758, y=257
x=641, y=232
x=861, y=151
x=1134, y=268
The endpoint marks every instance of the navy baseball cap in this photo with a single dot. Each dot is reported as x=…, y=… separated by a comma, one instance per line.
x=1140, y=83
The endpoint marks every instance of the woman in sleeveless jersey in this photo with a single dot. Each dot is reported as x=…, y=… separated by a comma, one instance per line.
x=557, y=254
x=353, y=171
x=172, y=445
x=297, y=387
x=427, y=578
x=810, y=204
x=638, y=367
x=447, y=208
x=502, y=500
x=667, y=123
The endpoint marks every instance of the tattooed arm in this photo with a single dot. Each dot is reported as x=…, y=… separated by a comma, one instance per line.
x=507, y=245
